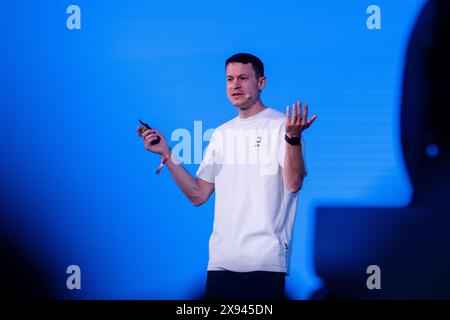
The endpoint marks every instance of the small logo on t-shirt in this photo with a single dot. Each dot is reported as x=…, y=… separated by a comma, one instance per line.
x=258, y=141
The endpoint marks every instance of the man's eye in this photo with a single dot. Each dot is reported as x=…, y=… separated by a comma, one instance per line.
x=243, y=78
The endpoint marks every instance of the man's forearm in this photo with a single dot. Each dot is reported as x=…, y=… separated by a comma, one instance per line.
x=294, y=167
x=188, y=185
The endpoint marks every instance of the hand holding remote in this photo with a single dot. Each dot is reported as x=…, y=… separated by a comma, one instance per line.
x=154, y=141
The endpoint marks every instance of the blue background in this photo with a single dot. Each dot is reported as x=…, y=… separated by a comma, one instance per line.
x=82, y=190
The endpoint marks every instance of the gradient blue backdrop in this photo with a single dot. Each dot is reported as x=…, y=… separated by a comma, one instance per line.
x=82, y=189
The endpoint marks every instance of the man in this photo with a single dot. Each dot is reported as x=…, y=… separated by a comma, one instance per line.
x=256, y=166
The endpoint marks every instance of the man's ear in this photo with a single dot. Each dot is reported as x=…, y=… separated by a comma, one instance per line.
x=262, y=83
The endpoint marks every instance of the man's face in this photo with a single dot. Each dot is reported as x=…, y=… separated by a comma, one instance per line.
x=243, y=89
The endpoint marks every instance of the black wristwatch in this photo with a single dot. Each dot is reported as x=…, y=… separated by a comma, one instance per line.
x=294, y=141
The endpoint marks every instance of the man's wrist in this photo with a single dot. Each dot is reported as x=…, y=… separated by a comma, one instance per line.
x=293, y=141
x=290, y=135
x=167, y=153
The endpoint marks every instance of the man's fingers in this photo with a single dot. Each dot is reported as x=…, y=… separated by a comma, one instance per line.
x=294, y=113
x=150, y=136
x=310, y=122
x=149, y=139
x=305, y=115
x=299, y=112
x=147, y=132
x=288, y=115
x=299, y=115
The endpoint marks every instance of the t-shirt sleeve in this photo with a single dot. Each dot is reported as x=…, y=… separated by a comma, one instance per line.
x=207, y=169
x=282, y=149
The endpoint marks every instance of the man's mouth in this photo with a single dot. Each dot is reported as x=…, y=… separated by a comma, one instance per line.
x=237, y=94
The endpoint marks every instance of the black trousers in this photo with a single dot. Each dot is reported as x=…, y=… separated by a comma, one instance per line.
x=255, y=285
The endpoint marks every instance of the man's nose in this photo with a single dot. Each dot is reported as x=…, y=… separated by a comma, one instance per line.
x=236, y=84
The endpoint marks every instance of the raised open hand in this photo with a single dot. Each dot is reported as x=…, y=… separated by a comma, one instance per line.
x=298, y=122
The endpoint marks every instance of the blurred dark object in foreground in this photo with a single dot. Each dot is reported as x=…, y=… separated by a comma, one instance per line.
x=410, y=245
x=24, y=274
x=425, y=130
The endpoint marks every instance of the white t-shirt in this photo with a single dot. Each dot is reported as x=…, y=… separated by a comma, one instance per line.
x=254, y=212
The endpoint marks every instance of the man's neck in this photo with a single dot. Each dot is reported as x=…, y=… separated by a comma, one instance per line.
x=252, y=110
